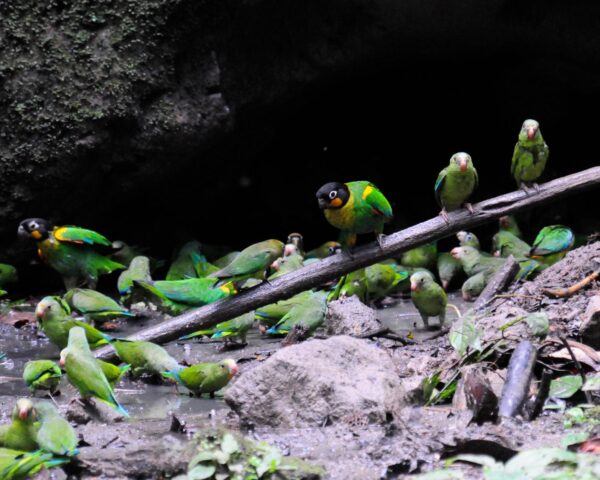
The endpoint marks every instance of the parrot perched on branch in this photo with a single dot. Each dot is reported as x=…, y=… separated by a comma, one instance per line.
x=530, y=155
x=455, y=184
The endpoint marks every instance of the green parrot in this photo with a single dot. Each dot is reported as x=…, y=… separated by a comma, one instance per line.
x=530, y=155
x=180, y=295
x=112, y=372
x=272, y=313
x=8, y=274
x=55, y=434
x=474, y=262
x=138, y=270
x=144, y=357
x=54, y=317
x=505, y=243
x=95, y=306
x=124, y=253
x=309, y=314
x=354, y=283
x=235, y=328
x=429, y=298
x=474, y=285
x=354, y=208
x=323, y=251
x=183, y=266
x=509, y=223
x=21, y=433
x=552, y=244
x=285, y=265
x=42, y=375
x=468, y=239
x=20, y=465
x=71, y=251
x=382, y=279
x=294, y=245
x=455, y=184
x=423, y=256
x=449, y=268
x=253, y=261
x=204, y=377
x=84, y=373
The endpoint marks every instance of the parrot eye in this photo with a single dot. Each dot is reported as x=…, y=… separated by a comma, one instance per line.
x=33, y=226
x=332, y=194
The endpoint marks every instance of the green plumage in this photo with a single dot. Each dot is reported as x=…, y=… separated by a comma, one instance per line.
x=474, y=285
x=179, y=295
x=323, y=251
x=236, y=328
x=272, y=313
x=530, y=154
x=21, y=433
x=144, y=357
x=225, y=260
x=8, y=274
x=474, y=262
x=456, y=182
x=183, y=266
x=55, y=434
x=54, y=317
x=95, y=306
x=42, y=375
x=308, y=314
x=449, y=268
x=286, y=265
x=253, y=260
x=552, y=243
x=21, y=465
x=85, y=374
x=112, y=372
x=468, y=239
x=423, y=256
x=72, y=253
x=138, y=270
x=203, y=377
x=382, y=279
x=505, y=243
x=428, y=297
x=509, y=223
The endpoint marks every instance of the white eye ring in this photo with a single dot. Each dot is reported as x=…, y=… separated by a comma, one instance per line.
x=33, y=226
x=332, y=194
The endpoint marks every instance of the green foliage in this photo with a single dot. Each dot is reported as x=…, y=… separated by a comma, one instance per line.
x=228, y=456
x=538, y=323
x=464, y=335
x=565, y=387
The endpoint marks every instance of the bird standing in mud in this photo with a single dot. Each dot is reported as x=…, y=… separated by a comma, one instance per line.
x=429, y=298
x=71, y=251
x=355, y=208
x=204, y=377
x=530, y=155
x=455, y=184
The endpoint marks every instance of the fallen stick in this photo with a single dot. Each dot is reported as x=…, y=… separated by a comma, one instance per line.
x=567, y=292
x=498, y=283
x=333, y=267
x=588, y=395
x=518, y=378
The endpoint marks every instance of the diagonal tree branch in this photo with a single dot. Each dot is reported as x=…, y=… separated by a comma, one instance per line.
x=333, y=267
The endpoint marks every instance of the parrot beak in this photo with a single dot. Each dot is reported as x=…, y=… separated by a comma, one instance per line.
x=61, y=362
x=497, y=253
x=414, y=287
x=275, y=265
x=323, y=203
x=504, y=222
x=531, y=131
x=289, y=249
x=232, y=366
x=445, y=284
x=22, y=233
x=463, y=165
x=262, y=329
x=39, y=311
x=23, y=413
x=455, y=252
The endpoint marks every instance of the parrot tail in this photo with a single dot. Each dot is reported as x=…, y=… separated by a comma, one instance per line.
x=222, y=334
x=116, y=405
x=197, y=333
x=104, y=264
x=172, y=375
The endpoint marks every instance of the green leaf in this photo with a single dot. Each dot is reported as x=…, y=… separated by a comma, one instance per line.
x=203, y=456
x=565, y=387
x=222, y=457
x=592, y=383
x=429, y=385
x=229, y=444
x=573, y=438
x=538, y=323
x=200, y=472
x=464, y=335
x=483, y=460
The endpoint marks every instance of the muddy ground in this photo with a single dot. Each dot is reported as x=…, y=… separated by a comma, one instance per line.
x=415, y=439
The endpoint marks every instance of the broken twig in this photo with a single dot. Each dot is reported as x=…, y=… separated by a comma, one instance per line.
x=518, y=378
x=573, y=289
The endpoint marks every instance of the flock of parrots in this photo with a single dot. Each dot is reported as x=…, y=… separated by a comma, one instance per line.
x=80, y=256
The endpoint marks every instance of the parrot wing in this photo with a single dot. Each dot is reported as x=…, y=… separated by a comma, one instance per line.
x=439, y=183
x=73, y=234
x=552, y=240
x=378, y=202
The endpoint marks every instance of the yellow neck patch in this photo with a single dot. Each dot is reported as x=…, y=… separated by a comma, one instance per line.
x=367, y=192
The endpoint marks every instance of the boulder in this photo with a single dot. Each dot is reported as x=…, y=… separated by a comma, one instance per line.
x=319, y=382
x=349, y=316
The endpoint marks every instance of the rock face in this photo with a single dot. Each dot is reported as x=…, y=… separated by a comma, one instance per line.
x=318, y=382
x=349, y=316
